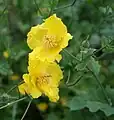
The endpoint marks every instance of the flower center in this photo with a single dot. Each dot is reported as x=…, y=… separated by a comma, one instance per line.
x=43, y=79
x=50, y=41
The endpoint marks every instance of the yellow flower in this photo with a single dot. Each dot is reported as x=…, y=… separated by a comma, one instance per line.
x=43, y=78
x=6, y=54
x=49, y=38
x=42, y=106
x=28, y=87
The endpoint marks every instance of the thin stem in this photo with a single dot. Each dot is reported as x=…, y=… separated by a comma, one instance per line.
x=37, y=7
x=97, y=79
x=14, y=111
x=98, y=50
x=66, y=6
x=75, y=82
x=68, y=79
x=71, y=55
x=11, y=103
x=102, y=88
x=51, y=10
x=26, y=109
x=14, y=87
x=3, y=11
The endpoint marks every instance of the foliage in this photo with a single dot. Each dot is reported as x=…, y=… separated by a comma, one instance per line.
x=87, y=90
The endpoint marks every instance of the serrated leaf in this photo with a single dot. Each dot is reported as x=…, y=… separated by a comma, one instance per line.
x=78, y=103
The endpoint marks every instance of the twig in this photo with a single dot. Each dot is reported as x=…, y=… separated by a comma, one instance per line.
x=37, y=7
x=68, y=79
x=26, y=109
x=102, y=88
x=98, y=81
x=14, y=111
x=11, y=103
x=14, y=87
x=71, y=55
x=75, y=82
x=3, y=11
x=97, y=50
x=51, y=10
x=70, y=5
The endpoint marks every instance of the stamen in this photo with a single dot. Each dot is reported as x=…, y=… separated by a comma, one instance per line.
x=50, y=41
x=43, y=79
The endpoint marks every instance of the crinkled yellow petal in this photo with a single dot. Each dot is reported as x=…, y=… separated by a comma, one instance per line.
x=55, y=26
x=51, y=92
x=23, y=88
x=35, y=36
x=58, y=57
x=26, y=78
x=36, y=66
x=66, y=40
x=28, y=87
x=35, y=93
x=47, y=56
x=44, y=55
x=56, y=74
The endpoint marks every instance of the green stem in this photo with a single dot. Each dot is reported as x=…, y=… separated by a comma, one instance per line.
x=11, y=103
x=26, y=109
x=66, y=6
x=71, y=55
x=75, y=82
x=98, y=81
x=68, y=79
x=37, y=7
x=14, y=87
x=102, y=88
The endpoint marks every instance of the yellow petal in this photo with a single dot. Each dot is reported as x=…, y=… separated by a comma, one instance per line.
x=35, y=93
x=56, y=74
x=26, y=78
x=36, y=66
x=35, y=36
x=29, y=87
x=58, y=57
x=65, y=40
x=55, y=26
x=43, y=55
x=23, y=88
x=52, y=93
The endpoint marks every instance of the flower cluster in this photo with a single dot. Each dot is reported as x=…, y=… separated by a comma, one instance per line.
x=44, y=74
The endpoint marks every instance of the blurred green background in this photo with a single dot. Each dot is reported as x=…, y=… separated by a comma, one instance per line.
x=87, y=90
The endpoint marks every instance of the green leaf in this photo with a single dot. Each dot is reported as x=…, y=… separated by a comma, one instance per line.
x=94, y=66
x=78, y=103
x=5, y=68
x=81, y=66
